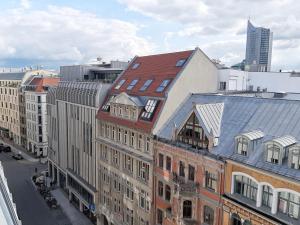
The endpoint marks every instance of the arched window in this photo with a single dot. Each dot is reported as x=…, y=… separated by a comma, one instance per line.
x=167, y=193
x=187, y=209
x=245, y=186
x=289, y=203
x=235, y=219
x=208, y=215
x=267, y=196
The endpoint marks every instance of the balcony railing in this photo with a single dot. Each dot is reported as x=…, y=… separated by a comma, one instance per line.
x=184, y=187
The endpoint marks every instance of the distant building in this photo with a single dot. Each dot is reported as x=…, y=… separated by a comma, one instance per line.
x=104, y=72
x=8, y=211
x=239, y=66
x=258, y=49
x=36, y=113
x=12, y=104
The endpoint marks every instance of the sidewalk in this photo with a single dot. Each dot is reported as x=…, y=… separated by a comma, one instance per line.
x=17, y=149
x=76, y=217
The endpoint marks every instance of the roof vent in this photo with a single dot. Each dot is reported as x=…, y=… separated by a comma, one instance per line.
x=279, y=94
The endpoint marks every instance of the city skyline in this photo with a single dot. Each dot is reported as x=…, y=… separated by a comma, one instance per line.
x=125, y=28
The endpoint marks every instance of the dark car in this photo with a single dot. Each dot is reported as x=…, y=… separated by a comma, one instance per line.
x=17, y=156
x=1, y=147
x=6, y=149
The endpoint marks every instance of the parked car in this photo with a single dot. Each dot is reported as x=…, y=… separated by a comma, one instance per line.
x=17, y=156
x=6, y=149
x=1, y=147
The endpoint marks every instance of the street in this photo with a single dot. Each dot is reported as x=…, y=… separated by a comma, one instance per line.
x=31, y=207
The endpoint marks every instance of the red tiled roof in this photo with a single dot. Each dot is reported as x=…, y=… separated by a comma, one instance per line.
x=41, y=82
x=155, y=67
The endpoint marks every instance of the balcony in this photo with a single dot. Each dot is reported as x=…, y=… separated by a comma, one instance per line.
x=184, y=187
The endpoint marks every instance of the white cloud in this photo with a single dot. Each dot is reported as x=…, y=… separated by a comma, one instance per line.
x=25, y=4
x=66, y=34
x=205, y=22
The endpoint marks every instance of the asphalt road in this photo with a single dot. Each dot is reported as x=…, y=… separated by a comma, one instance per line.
x=31, y=207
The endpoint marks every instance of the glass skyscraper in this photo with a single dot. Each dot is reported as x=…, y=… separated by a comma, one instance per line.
x=258, y=49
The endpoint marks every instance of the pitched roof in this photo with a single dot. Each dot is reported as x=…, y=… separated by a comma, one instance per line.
x=276, y=118
x=39, y=83
x=153, y=67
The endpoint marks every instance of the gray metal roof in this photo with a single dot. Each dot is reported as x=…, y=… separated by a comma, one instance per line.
x=12, y=76
x=274, y=117
x=285, y=141
x=253, y=135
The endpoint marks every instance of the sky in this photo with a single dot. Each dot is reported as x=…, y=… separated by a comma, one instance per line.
x=51, y=33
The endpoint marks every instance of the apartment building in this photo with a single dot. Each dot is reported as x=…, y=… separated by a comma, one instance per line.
x=138, y=104
x=36, y=113
x=12, y=104
x=72, y=109
x=257, y=138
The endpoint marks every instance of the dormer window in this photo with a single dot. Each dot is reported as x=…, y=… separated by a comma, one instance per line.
x=273, y=152
x=294, y=157
x=135, y=66
x=106, y=106
x=132, y=84
x=247, y=142
x=180, y=62
x=242, y=146
x=149, y=109
x=277, y=149
x=163, y=85
x=119, y=85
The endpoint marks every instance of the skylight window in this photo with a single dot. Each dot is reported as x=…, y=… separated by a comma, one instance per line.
x=135, y=66
x=132, y=84
x=146, y=85
x=119, y=85
x=180, y=62
x=149, y=109
x=163, y=85
x=106, y=106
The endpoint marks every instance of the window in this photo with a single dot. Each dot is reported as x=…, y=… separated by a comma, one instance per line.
x=163, y=85
x=143, y=201
x=159, y=216
x=160, y=187
x=267, y=196
x=208, y=215
x=193, y=134
x=129, y=216
x=126, y=137
x=128, y=163
x=132, y=138
x=135, y=66
x=273, y=153
x=289, y=204
x=132, y=84
x=235, y=219
x=106, y=106
x=119, y=85
x=242, y=145
x=210, y=181
x=143, y=171
x=149, y=109
x=129, y=190
x=187, y=209
x=161, y=160
x=140, y=142
x=167, y=193
x=295, y=159
x=180, y=62
x=245, y=186
x=191, y=176
x=39, y=99
x=181, y=169
x=168, y=163
x=222, y=86
x=146, y=85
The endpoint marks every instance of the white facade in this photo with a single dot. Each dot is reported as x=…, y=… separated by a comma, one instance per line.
x=237, y=80
x=36, y=117
x=8, y=211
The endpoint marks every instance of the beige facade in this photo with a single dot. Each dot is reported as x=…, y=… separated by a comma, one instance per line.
x=125, y=179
